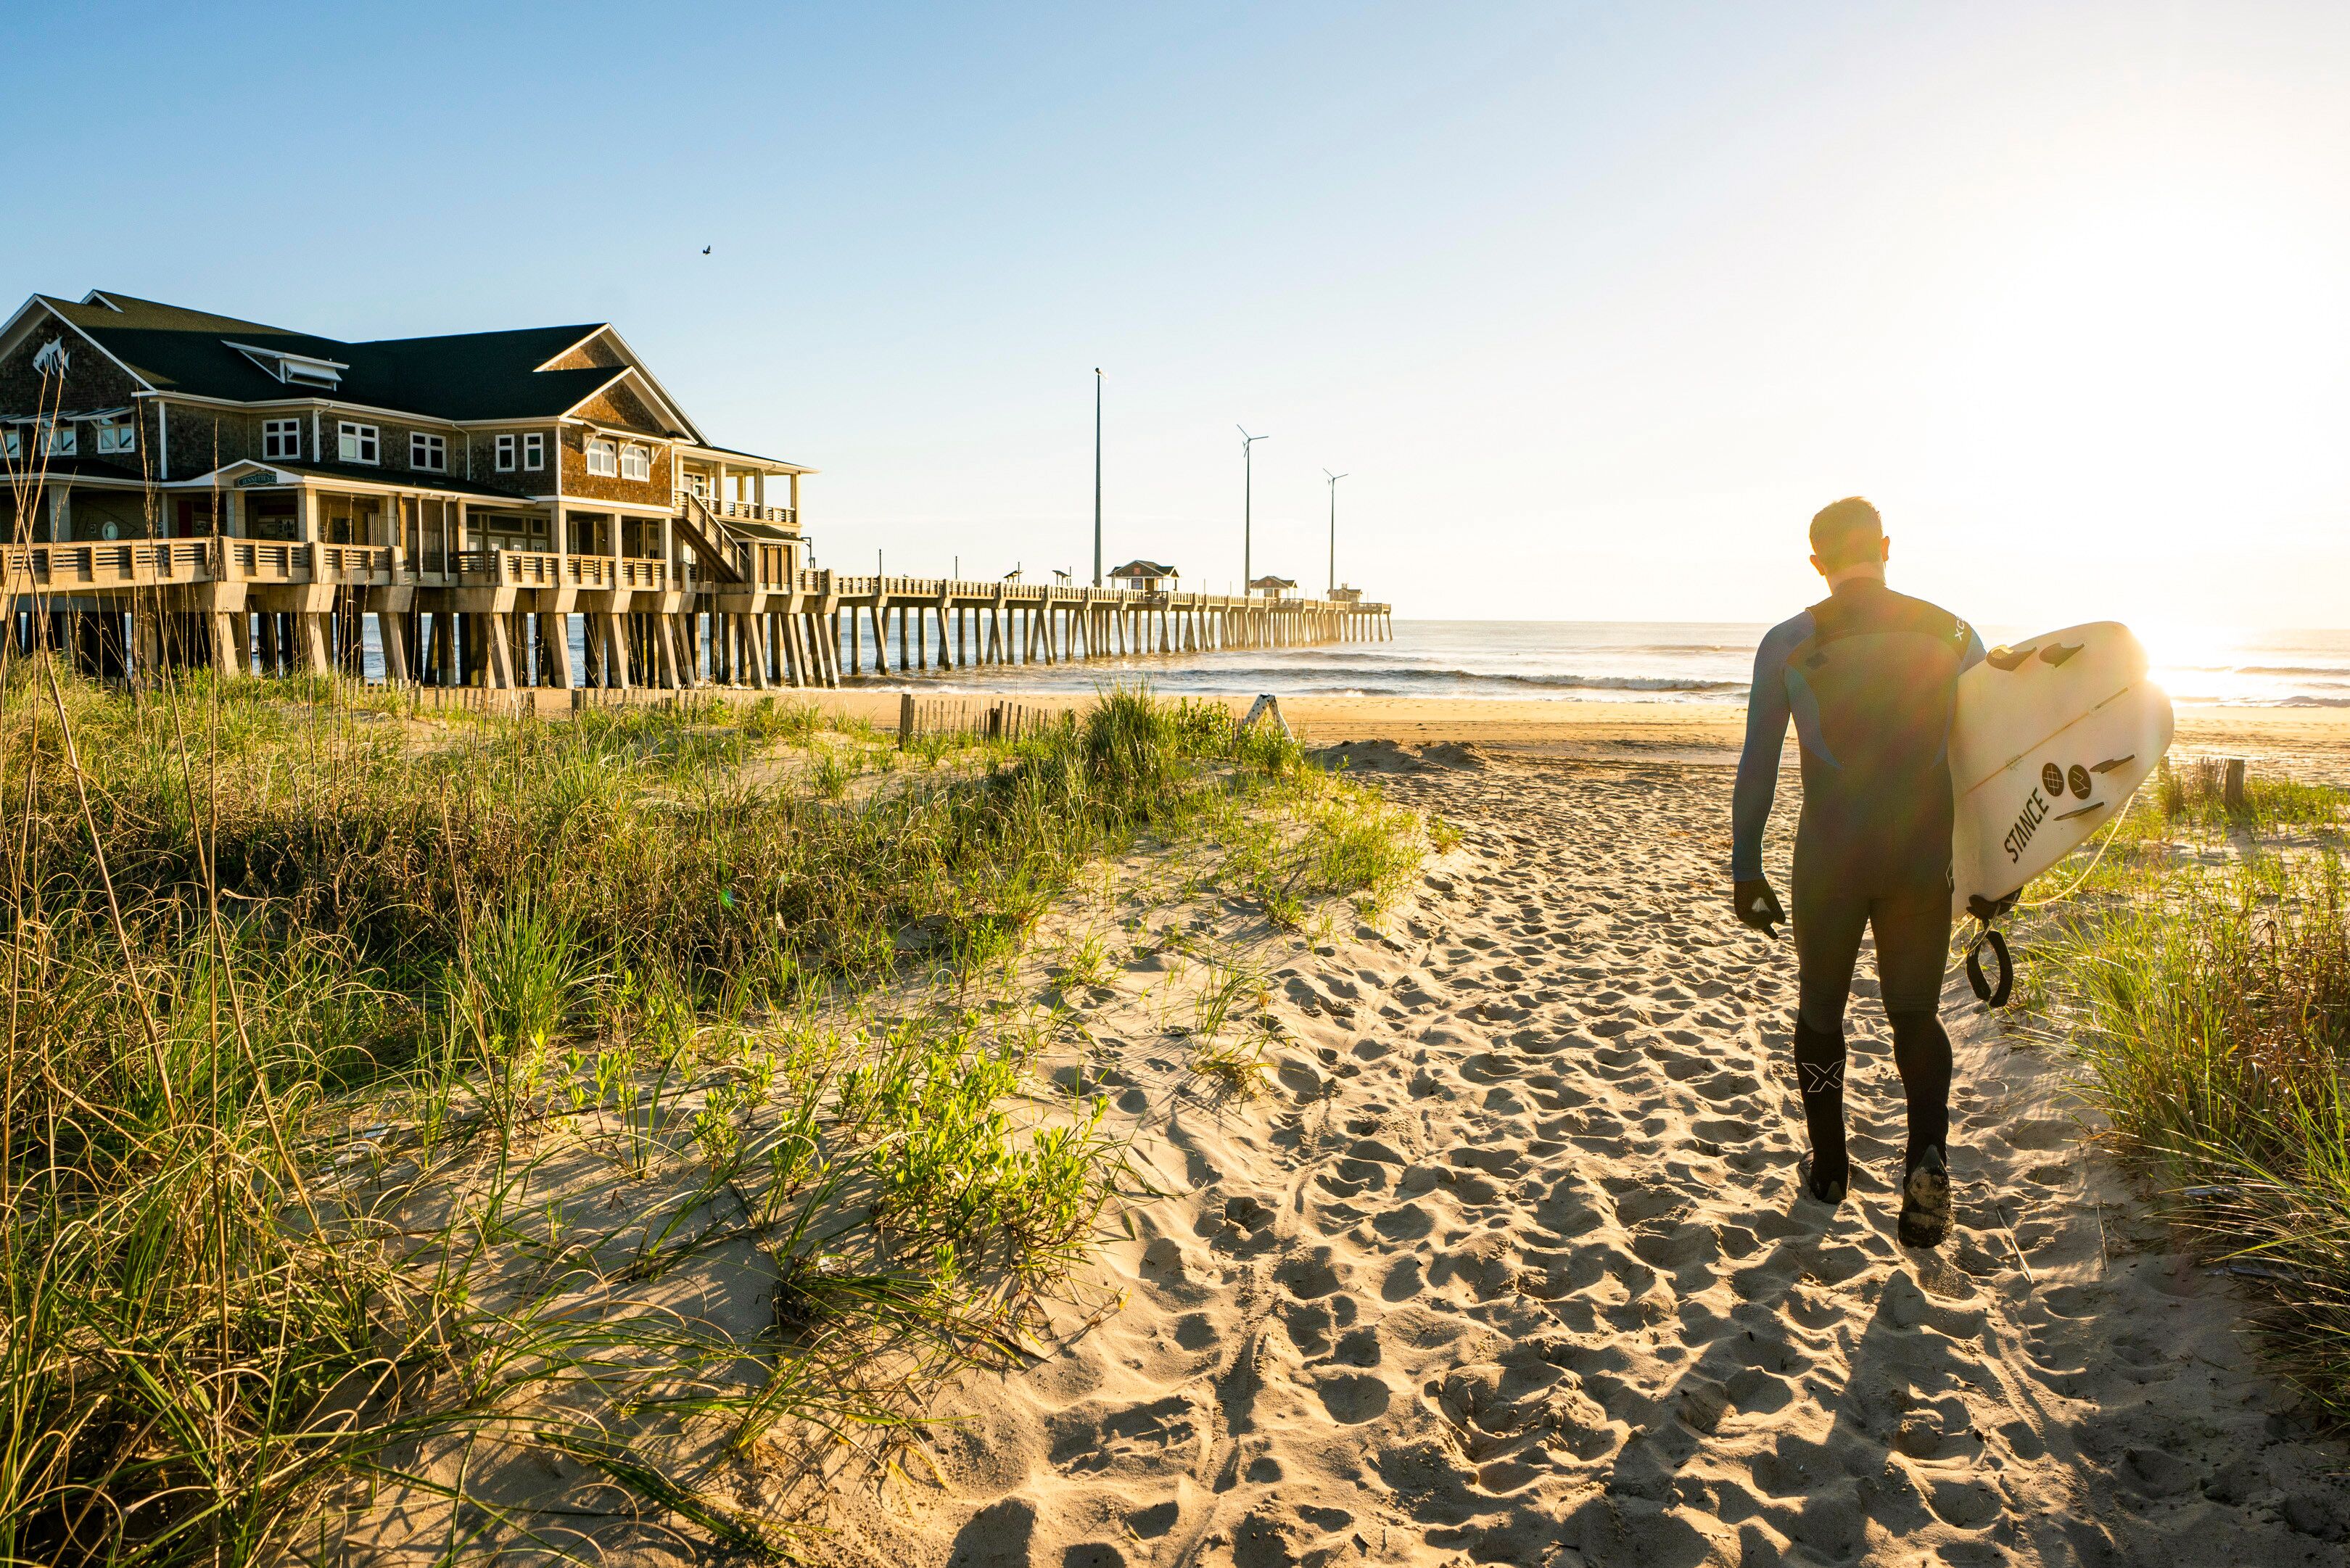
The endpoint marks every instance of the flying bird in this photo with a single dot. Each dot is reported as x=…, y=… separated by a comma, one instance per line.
x=705, y=250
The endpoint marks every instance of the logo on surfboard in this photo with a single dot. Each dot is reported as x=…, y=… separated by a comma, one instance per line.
x=2034, y=813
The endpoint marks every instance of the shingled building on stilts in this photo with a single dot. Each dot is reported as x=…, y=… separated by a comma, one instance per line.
x=498, y=509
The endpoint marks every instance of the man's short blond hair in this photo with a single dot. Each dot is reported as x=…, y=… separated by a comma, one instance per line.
x=1847, y=533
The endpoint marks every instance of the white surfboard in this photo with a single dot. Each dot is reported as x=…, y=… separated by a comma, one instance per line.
x=2051, y=737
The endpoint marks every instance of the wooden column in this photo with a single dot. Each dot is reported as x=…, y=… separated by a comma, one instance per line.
x=391, y=630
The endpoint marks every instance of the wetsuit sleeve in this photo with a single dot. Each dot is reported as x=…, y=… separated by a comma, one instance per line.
x=1974, y=652
x=1768, y=711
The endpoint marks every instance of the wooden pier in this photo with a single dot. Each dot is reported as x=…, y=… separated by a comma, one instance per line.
x=732, y=614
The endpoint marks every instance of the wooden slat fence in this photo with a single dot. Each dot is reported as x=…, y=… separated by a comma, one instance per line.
x=980, y=718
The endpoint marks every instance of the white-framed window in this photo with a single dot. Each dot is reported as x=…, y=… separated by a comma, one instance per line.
x=117, y=435
x=430, y=452
x=12, y=444
x=356, y=443
x=635, y=462
x=603, y=458
x=59, y=437
x=281, y=440
x=506, y=455
x=533, y=452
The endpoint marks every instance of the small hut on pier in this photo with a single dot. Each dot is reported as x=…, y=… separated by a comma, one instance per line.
x=1271, y=586
x=1146, y=577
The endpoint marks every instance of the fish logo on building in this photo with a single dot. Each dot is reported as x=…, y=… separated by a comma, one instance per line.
x=53, y=359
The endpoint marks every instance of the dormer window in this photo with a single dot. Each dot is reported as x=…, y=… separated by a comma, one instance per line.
x=294, y=369
x=603, y=458
x=636, y=462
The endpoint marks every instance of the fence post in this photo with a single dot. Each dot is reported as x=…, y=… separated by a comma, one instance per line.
x=905, y=718
x=2231, y=792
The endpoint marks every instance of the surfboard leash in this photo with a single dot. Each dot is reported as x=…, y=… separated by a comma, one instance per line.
x=1985, y=992
x=2077, y=882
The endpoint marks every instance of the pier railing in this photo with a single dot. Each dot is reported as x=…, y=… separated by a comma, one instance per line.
x=136, y=563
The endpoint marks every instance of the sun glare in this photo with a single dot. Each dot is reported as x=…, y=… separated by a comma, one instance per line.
x=2141, y=363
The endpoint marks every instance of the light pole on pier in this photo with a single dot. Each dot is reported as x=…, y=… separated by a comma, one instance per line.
x=1098, y=395
x=1248, y=497
x=1335, y=478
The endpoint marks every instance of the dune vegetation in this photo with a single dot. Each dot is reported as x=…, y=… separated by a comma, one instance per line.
x=373, y=1081
x=2201, y=970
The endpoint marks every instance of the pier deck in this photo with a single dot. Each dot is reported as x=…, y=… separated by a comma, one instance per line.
x=500, y=617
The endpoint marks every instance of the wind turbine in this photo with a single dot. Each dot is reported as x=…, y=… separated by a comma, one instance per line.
x=1333, y=478
x=1248, y=497
x=1097, y=397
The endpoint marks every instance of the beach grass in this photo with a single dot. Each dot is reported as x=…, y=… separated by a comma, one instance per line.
x=382, y=1093
x=2203, y=977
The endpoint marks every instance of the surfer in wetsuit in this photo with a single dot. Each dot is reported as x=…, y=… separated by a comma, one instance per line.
x=1869, y=677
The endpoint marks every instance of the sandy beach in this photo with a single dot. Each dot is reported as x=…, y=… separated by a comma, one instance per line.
x=1509, y=1264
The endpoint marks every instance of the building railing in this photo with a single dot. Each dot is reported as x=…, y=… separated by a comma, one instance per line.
x=742, y=511
x=357, y=564
x=529, y=569
x=545, y=569
x=265, y=560
x=123, y=563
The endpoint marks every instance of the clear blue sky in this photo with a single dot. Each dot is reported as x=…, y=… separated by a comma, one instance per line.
x=1595, y=304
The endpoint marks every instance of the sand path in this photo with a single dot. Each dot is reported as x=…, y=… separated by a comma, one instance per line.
x=1512, y=1269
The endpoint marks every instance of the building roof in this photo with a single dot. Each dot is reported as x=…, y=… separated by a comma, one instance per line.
x=1145, y=569
x=1270, y=581
x=773, y=464
x=71, y=470
x=459, y=376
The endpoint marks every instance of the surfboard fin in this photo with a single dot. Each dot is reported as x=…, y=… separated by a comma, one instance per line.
x=2110, y=763
x=2006, y=657
x=1990, y=910
x=2058, y=653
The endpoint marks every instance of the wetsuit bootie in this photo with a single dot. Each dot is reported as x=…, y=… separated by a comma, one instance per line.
x=1825, y=1186
x=1819, y=1076
x=1926, y=1200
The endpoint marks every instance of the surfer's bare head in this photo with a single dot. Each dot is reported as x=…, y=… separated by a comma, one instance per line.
x=1848, y=540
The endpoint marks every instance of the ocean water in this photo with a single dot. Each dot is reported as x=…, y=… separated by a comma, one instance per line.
x=1638, y=661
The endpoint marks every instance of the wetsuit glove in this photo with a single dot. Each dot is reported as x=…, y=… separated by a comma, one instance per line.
x=1758, y=907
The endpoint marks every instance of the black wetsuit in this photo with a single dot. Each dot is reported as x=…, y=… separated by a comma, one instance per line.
x=1869, y=679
